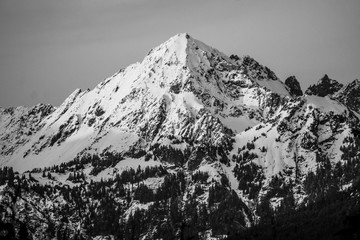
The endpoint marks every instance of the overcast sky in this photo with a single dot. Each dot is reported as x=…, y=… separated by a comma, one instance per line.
x=50, y=47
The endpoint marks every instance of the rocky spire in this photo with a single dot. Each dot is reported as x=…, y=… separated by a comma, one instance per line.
x=294, y=86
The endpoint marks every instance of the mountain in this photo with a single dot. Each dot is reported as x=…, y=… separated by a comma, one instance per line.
x=187, y=144
x=183, y=89
x=325, y=86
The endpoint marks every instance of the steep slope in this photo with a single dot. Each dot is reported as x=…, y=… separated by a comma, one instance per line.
x=349, y=95
x=183, y=90
x=18, y=125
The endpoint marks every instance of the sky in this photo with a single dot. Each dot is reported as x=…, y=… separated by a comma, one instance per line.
x=48, y=48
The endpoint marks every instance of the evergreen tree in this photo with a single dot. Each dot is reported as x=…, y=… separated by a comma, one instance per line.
x=23, y=232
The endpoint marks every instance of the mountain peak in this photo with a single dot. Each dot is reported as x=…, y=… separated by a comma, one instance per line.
x=182, y=36
x=325, y=86
x=325, y=80
x=356, y=82
x=183, y=49
x=183, y=88
x=174, y=47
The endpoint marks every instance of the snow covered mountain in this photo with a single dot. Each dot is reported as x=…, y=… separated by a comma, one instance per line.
x=183, y=89
x=208, y=143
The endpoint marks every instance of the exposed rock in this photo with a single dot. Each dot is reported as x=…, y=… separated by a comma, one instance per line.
x=325, y=86
x=294, y=86
x=350, y=95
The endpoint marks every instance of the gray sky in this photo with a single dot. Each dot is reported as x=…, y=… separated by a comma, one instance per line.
x=50, y=47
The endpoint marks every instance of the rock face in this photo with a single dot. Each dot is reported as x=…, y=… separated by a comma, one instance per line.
x=350, y=95
x=187, y=144
x=325, y=86
x=294, y=86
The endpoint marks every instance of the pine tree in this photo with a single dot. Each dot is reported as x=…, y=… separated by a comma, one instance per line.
x=23, y=232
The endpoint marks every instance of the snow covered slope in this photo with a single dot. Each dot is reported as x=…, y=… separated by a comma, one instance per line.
x=182, y=89
x=18, y=125
x=306, y=129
